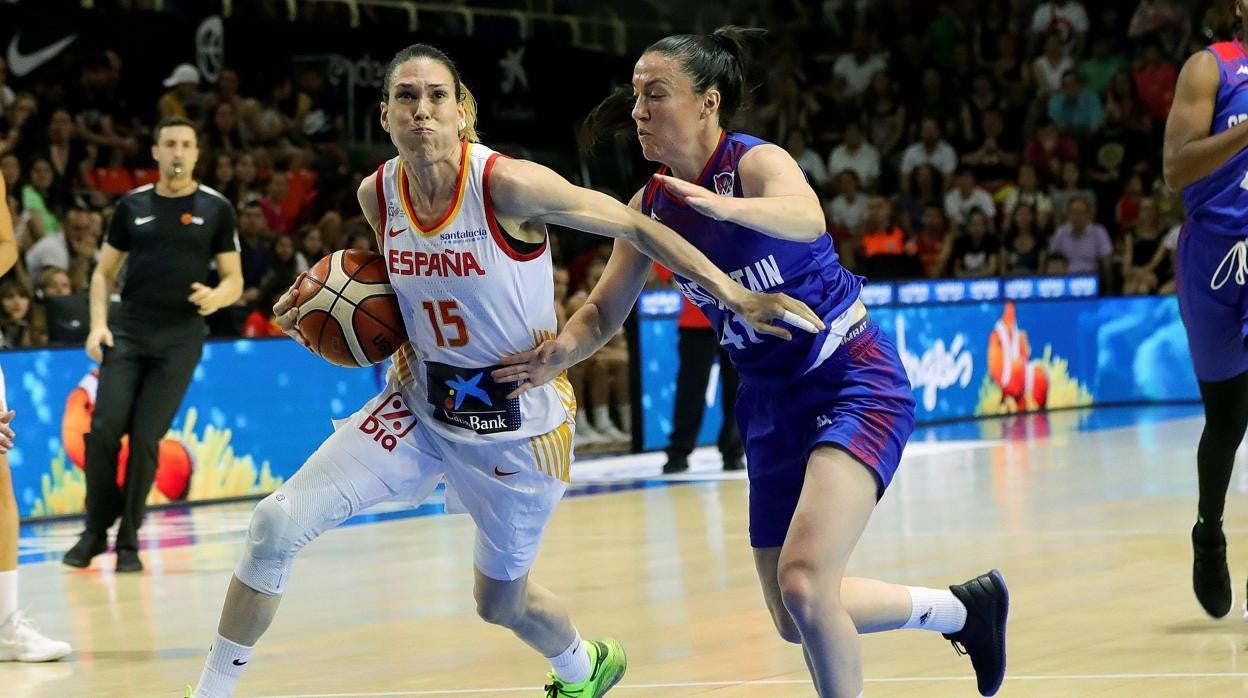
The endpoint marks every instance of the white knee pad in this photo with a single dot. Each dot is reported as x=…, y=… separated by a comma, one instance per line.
x=317, y=498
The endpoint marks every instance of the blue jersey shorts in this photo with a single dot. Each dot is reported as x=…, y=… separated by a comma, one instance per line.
x=858, y=400
x=1213, y=302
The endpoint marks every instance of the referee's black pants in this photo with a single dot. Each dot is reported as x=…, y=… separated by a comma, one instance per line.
x=142, y=381
x=698, y=348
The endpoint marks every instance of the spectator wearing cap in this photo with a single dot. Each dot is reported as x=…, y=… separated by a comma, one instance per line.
x=183, y=98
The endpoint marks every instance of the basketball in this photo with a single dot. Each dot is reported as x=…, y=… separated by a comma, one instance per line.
x=348, y=311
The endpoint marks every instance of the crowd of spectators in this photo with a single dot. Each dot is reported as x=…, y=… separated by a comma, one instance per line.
x=973, y=138
x=958, y=138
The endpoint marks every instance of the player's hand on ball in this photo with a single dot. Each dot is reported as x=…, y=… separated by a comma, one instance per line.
x=533, y=367
x=759, y=310
x=286, y=313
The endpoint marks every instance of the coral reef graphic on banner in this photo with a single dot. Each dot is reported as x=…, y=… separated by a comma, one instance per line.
x=189, y=465
x=252, y=413
x=1016, y=382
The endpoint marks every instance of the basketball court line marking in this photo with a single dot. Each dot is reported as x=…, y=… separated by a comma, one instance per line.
x=784, y=682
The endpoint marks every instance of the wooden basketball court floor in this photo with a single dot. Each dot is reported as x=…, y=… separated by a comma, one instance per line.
x=1086, y=513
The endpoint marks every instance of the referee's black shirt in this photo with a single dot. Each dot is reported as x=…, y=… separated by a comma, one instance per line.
x=172, y=242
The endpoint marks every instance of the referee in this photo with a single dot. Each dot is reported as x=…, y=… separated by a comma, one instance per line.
x=170, y=233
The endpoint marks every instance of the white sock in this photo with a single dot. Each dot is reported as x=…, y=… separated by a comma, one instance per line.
x=602, y=417
x=583, y=428
x=572, y=664
x=8, y=595
x=626, y=418
x=226, y=661
x=937, y=610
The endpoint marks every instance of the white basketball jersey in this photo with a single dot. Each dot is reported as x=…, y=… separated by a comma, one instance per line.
x=468, y=297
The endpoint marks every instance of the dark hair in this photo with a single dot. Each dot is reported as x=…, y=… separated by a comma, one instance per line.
x=462, y=94
x=717, y=60
x=13, y=287
x=170, y=121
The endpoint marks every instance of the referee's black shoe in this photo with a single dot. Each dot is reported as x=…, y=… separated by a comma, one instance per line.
x=987, y=602
x=88, y=546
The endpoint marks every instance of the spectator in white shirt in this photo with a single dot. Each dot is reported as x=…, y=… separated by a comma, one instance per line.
x=930, y=150
x=965, y=197
x=857, y=156
x=848, y=211
x=74, y=249
x=853, y=71
x=1049, y=68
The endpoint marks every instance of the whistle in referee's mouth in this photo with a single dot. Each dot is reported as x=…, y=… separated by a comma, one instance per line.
x=177, y=168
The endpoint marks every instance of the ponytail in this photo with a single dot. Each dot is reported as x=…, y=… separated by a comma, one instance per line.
x=613, y=115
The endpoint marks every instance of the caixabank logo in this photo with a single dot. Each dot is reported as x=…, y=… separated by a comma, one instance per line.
x=389, y=422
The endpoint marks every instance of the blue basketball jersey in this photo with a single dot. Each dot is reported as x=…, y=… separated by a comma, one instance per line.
x=1218, y=203
x=807, y=271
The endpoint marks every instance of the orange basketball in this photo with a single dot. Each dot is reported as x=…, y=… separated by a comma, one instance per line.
x=348, y=311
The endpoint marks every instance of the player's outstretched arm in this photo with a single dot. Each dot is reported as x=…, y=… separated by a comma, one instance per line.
x=777, y=200
x=593, y=325
x=590, y=327
x=1190, y=153
x=530, y=192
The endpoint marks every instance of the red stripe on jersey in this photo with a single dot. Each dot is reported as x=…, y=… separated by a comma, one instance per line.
x=496, y=230
x=1228, y=50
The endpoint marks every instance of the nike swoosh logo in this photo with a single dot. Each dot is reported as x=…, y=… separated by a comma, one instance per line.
x=500, y=473
x=396, y=231
x=144, y=219
x=21, y=64
x=238, y=662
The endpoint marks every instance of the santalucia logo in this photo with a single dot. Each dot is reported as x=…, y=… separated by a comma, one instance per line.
x=939, y=367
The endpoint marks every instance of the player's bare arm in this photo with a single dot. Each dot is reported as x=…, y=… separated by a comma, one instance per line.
x=777, y=200
x=1190, y=153
x=366, y=194
x=531, y=192
x=591, y=326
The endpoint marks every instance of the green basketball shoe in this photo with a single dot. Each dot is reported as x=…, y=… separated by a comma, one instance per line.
x=607, y=665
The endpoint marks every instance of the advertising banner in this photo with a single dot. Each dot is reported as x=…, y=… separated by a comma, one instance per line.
x=988, y=358
x=255, y=410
